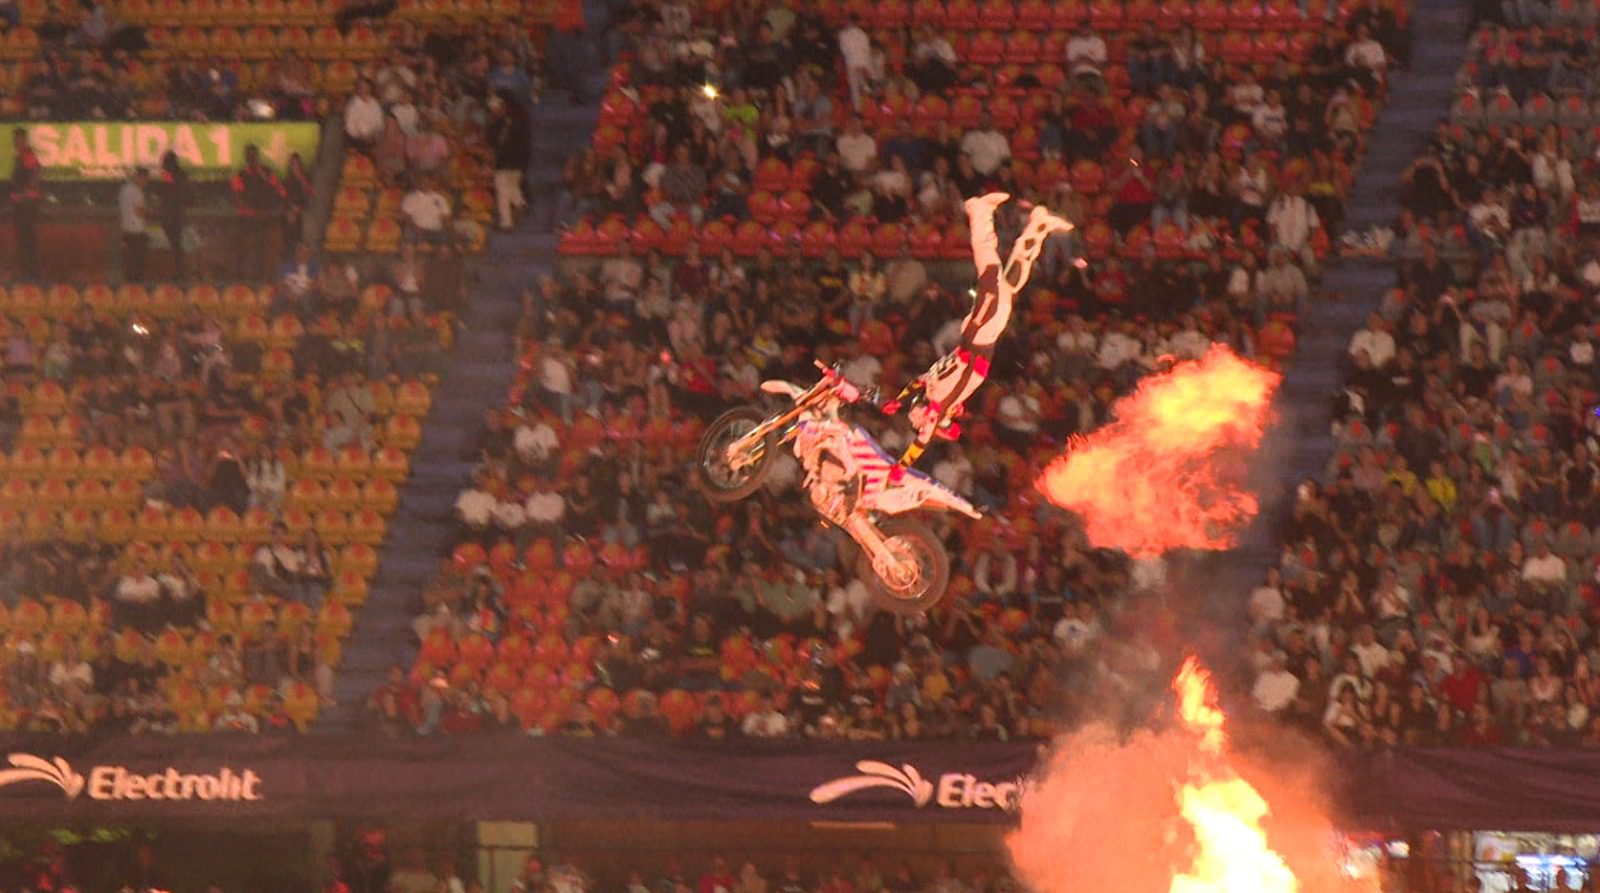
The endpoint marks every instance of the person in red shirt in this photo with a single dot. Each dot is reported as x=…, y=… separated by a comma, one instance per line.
x=259, y=197
x=1481, y=731
x=1463, y=686
x=717, y=879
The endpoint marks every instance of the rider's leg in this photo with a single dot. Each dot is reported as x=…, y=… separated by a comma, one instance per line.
x=980, y=226
x=1041, y=225
x=947, y=386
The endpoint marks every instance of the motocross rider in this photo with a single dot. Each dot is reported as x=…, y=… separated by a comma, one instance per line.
x=938, y=394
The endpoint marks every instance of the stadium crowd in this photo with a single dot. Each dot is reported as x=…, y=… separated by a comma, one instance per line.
x=554, y=872
x=1439, y=584
x=595, y=591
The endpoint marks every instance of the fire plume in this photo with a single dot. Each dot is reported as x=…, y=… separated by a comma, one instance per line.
x=1158, y=477
x=1225, y=811
x=1177, y=810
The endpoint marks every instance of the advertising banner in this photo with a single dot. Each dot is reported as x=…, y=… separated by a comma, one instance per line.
x=515, y=777
x=107, y=150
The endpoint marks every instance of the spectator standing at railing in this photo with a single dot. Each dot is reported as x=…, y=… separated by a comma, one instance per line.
x=26, y=195
x=132, y=202
x=258, y=197
x=508, y=138
x=172, y=194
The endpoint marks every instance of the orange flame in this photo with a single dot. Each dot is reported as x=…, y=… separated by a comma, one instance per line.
x=1152, y=480
x=1231, y=849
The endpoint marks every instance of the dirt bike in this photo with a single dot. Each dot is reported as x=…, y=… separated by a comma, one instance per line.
x=852, y=482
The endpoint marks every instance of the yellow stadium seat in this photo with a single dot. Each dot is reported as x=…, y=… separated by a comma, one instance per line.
x=333, y=527
x=343, y=235
x=402, y=431
x=380, y=495
x=358, y=171
x=306, y=494
x=62, y=302
x=391, y=464
x=343, y=495
x=383, y=236
x=138, y=463
x=91, y=494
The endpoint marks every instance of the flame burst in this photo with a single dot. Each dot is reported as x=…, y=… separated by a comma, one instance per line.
x=1232, y=852
x=1177, y=810
x=1155, y=478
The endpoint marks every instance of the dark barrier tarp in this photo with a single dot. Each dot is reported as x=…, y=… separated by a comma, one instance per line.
x=609, y=778
x=1501, y=789
x=509, y=778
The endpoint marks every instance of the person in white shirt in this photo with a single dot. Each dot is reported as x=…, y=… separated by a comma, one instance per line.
x=1292, y=220
x=405, y=112
x=987, y=147
x=555, y=380
x=933, y=60
x=234, y=718
x=1189, y=343
x=848, y=603
x=1366, y=54
x=1490, y=217
x=1581, y=351
x=1086, y=52
x=475, y=504
x=1283, y=284
x=858, y=151
x=508, y=514
x=1270, y=121
x=535, y=441
x=861, y=369
x=1375, y=341
x=363, y=114
x=545, y=508
x=1544, y=568
x=131, y=207
x=856, y=49
x=1118, y=347
x=1276, y=688
x=71, y=671
x=138, y=587
x=427, y=212
x=1370, y=654
x=765, y=721
x=276, y=566
x=1246, y=94
x=1266, y=602
x=622, y=277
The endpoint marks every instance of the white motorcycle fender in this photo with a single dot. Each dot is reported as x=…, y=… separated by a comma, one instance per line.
x=913, y=493
x=782, y=388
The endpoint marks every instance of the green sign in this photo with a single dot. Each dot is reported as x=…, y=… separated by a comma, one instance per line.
x=100, y=150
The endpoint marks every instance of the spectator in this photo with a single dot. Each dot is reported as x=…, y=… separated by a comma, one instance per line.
x=765, y=721
x=25, y=196
x=259, y=198
x=683, y=189
x=986, y=146
x=131, y=206
x=172, y=193
x=509, y=138
x=363, y=115
x=428, y=214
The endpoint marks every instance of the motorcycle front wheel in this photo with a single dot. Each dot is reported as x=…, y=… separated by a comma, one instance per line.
x=721, y=481
x=925, y=560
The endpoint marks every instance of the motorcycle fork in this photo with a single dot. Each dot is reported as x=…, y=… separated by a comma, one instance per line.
x=759, y=433
x=866, y=535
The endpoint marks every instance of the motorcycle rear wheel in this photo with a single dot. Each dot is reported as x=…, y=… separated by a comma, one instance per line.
x=933, y=568
x=721, y=482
